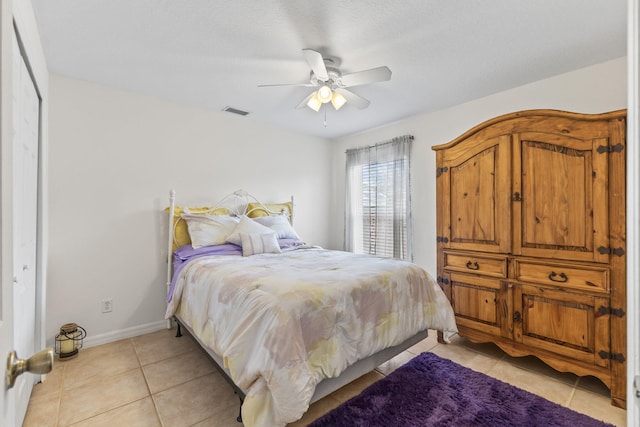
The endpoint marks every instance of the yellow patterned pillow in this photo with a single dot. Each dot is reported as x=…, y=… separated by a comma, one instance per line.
x=256, y=210
x=180, y=230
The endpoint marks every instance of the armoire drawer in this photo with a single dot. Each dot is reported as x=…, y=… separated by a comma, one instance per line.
x=588, y=278
x=470, y=262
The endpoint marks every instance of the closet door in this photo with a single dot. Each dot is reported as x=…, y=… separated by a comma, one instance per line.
x=560, y=203
x=475, y=196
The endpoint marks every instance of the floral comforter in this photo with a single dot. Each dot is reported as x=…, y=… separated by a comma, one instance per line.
x=283, y=322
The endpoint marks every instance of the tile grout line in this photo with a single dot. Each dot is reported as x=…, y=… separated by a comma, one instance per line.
x=59, y=408
x=108, y=410
x=573, y=392
x=111, y=409
x=146, y=382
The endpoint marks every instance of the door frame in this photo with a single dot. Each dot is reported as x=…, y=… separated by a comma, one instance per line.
x=633, y=211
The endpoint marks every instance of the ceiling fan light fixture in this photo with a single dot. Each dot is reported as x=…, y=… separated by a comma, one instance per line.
x=338, y=100
x=314, y=103
x=327, y=78
x=324, y=94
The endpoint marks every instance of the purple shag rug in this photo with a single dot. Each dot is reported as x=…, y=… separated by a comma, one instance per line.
x=431, y=391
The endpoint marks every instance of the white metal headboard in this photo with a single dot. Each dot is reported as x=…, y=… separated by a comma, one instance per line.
x=237, y=203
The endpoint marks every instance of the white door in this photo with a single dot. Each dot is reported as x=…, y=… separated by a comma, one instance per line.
x=26, y=107
x=7, y=397
x=18, y=315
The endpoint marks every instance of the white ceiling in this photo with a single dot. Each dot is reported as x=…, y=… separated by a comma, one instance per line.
x=213, y=53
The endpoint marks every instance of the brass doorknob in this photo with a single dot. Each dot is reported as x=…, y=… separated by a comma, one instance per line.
x=39, y=363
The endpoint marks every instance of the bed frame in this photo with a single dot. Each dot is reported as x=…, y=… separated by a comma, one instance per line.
x=326, y=386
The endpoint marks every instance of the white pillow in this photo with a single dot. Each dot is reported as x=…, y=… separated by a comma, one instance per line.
x=246, y=225
x=209, y=230
x=257, y=243
x=280, y=225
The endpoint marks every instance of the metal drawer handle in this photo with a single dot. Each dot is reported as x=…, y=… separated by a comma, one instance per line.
x=553, y=277
x=473, y=266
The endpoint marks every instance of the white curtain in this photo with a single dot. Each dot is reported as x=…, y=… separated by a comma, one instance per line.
x=378, y=199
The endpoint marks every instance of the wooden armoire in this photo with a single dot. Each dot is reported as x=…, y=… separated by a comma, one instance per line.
x=531, y=238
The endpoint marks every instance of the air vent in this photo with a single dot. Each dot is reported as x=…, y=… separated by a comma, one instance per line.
x=235, y=111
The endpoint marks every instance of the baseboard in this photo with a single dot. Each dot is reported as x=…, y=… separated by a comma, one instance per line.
x=135, y=331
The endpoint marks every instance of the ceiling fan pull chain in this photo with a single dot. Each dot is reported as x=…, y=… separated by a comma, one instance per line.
x=325, y=115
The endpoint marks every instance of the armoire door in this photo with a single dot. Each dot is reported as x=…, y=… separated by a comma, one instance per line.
x=482, y=304
x=574, y=325
x=476, y=207
x=560, y=208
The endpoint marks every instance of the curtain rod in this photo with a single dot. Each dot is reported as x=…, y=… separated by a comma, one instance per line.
x=380, y=143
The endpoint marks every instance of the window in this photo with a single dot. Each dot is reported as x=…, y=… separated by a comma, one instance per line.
x=378, y=200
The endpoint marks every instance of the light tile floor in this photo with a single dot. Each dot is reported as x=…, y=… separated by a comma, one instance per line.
x=159, y=380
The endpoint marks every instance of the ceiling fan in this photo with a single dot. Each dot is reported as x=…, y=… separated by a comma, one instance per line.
x=332, y=85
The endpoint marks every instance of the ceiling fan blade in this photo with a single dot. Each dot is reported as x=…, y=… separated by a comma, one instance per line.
x=353, y=99
x=316, y=63
x=289, y=84
x=379, y=74
x=304, y=101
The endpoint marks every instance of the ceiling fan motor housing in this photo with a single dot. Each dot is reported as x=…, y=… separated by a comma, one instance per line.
x=334, y=81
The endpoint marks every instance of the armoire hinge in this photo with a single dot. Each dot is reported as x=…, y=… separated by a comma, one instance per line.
x=618, y=357
x=611, y=251
x=608, y=310
x=610, y=148
x=440, y=171
x=442, y=280
x=442, y=239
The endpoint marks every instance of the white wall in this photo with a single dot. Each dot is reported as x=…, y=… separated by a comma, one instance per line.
x=113, y=158
x=595, y=89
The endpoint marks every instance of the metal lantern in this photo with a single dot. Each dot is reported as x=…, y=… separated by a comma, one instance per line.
x=69, y=340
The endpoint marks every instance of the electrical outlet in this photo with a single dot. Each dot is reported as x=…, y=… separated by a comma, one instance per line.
x=107, y=305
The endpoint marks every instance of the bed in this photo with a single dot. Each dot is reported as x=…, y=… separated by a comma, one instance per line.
x=288, y=323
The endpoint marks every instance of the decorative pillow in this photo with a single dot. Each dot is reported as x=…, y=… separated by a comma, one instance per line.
x=209, y=230
x=248, y=226
x=256, y=210
x=180, y=231
x=259, y=243
x=279, y=224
